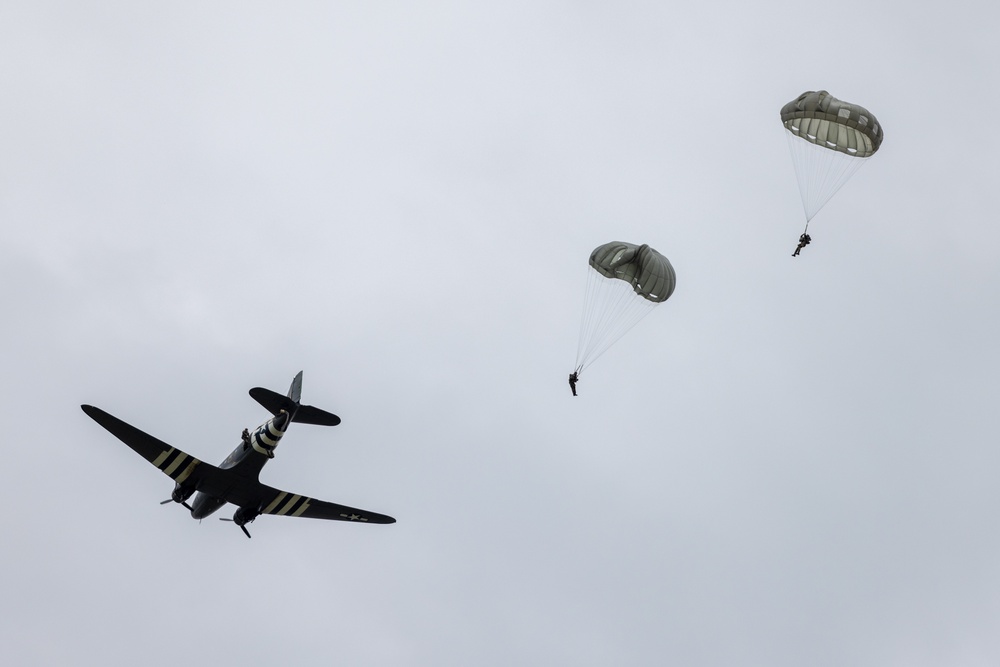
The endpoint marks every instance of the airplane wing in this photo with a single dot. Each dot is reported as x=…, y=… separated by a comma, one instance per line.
x=172, y=462
x=282, y=503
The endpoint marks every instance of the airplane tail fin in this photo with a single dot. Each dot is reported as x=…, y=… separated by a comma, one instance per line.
x=295, y=390
x=303, y=414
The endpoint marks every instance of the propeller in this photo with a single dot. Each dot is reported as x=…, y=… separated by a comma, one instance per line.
x=182, y=502
x=243, y=516
x=180, y=495
x=242, y=526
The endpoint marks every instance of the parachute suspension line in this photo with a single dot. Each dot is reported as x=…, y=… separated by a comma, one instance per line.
x=626, y=324
x=604, y=330
x=820, y=172
x=611, y=309
x=587, y=325
x=608, y=309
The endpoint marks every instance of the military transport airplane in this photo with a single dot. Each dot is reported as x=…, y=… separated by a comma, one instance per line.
x=235, y=480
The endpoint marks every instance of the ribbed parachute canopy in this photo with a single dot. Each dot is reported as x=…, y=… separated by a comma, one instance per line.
x=650, y=273
x=829, y=140
x=625, y=283
x=822, y=119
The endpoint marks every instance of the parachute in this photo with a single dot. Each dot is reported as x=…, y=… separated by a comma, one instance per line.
x=624, y=283
x=829, y=140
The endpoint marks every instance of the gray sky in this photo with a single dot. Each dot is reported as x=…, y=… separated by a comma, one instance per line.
x=791, y=462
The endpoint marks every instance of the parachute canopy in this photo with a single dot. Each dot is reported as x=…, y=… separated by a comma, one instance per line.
x=829, y=139
x=822, y=119
x=624, y=283
x=647, y=271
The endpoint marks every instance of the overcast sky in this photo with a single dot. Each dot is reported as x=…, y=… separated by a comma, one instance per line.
x=791, y=462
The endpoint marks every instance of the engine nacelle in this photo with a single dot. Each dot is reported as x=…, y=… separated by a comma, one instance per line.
x=245, y=515
x=181, y=493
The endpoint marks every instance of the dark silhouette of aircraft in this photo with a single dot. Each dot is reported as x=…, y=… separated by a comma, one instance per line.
x=235, y=480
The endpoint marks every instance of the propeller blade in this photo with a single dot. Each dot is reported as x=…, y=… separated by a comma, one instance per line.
x=183, y=502
x=243, y=528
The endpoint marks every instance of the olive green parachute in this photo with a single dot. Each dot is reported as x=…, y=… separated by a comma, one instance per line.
x=624, y=283
x=822, y=119
x=829, y=140
x=647, y=271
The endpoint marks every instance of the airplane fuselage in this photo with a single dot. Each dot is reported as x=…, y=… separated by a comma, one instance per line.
x=247, y=460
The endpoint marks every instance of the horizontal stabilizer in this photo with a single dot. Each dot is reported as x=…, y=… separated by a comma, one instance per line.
x=307, y=414
x=274, y=403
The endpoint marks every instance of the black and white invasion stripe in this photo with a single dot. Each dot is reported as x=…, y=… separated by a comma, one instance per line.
x=266, y=438
x=176, y=464
x=288, y=504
